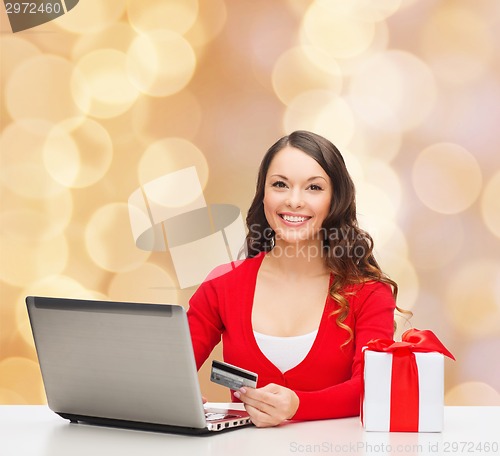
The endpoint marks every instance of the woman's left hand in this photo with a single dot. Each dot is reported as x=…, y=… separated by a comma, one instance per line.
x=270, y=405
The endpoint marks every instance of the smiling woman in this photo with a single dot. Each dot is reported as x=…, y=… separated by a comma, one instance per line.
x=297, y=196
x=309, y=295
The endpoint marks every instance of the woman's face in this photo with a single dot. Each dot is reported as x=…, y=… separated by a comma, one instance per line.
x=297, y=196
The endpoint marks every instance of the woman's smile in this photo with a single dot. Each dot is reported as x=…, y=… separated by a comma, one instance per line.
x=294, y=220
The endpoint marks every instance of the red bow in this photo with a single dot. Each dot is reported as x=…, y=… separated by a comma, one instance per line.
x=404, y=387
x=413, y=340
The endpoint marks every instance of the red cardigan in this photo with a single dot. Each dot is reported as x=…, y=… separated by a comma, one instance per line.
x=328, y=380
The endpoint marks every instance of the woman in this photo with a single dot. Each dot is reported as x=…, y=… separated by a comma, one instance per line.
x=309, y=295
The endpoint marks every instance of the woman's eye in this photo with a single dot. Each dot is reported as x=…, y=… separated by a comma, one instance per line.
x=315, y=187
x=279, y=184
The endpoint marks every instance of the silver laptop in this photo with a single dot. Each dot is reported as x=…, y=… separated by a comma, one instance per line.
x=122, y=364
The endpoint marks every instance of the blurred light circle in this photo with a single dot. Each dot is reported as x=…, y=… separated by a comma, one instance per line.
x=373, y=202
x=160, y=62
x=78, y=155
x=155, y=117
x=472, y=361
x=175, y=15
x=40, y=88
x=60, y=285
x=109, y=88
x=147, y=283
x=393, y=85
x=472, y=303
x=117, y=36
x=395, y=243
x=436, y=239
x=294, y=73
x=336, y=29
x=322, y=112
x=490, y=204
x=376, y=114
x=496, y=290
x=8, y=396
x=399, y=269
x=368, y=10
x=92, y=16
x=169, y=155
x=298, y=9
x=336, y=121
x=109, y=239
x=14, y=51
x=376, y=212
x=446, y=178
x=46, y=258
x=472, y=393
x=379, y=43
x=380, y=144
x=260, y=42
x=212, y=17
x=457, y=44
x=407, y=3
x=391, y=253
x=456, y=117
x=431, y=314
x=22, y=376
x=384, y=177
x=22, y=170
x=35, y=220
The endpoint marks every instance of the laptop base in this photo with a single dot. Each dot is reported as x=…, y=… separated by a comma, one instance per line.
x=138, y=425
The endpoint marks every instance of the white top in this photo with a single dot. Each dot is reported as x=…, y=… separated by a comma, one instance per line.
x=285, y=352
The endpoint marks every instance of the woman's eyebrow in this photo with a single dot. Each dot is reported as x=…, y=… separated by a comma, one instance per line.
x=308, y=180
x=316, y=177
x=280, y=176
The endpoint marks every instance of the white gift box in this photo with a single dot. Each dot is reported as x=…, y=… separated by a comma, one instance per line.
x=376, y=406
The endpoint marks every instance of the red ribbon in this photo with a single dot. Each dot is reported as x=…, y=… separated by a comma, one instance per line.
x=404, y=384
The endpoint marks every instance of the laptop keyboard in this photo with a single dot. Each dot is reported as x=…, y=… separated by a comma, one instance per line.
x=211, y=416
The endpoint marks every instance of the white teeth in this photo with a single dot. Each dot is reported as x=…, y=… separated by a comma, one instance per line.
x=293, y=218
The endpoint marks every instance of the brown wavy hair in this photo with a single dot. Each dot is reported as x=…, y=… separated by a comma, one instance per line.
x=348, y=250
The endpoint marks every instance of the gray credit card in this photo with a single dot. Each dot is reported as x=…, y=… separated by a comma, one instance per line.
x=232, y=376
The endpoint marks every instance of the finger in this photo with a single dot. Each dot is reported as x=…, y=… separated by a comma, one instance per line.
x=255, y=398
x=258, y=417
x=252, y=393
x=272, y=388
x=204, y=399
x=267, y=394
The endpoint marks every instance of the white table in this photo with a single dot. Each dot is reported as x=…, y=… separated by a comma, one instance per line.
x=36, y=431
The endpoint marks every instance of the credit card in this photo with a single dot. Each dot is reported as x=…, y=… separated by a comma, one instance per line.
x=232, y=376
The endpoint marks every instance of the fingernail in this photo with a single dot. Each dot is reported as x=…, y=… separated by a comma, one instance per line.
x=236, y=395
x=243, y=390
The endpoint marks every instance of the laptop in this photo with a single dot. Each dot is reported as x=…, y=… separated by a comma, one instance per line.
x=122, y=364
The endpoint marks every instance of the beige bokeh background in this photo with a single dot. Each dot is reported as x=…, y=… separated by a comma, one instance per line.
x=115, y=94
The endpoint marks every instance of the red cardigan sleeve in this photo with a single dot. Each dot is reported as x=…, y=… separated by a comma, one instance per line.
x=371, y=316
x=205, y=321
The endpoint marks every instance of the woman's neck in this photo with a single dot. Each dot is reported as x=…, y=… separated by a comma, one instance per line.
x=297, y=260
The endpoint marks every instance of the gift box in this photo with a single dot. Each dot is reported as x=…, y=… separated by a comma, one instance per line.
x=403, y=383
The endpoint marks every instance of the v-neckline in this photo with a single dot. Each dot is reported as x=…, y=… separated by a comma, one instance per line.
x=249, y=327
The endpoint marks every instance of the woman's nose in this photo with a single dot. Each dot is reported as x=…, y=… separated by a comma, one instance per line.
x=295, y=200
